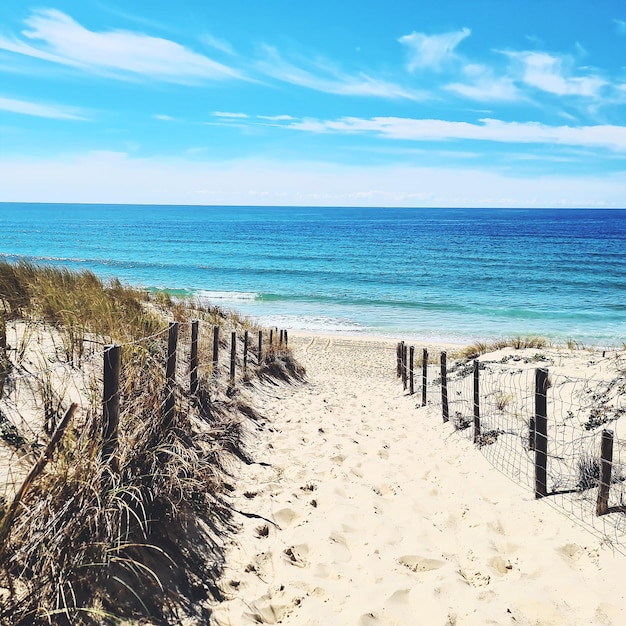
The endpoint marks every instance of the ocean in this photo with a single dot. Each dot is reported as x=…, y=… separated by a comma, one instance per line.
x=453, y=275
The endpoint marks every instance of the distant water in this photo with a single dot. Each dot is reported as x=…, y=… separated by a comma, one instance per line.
x=436, y=274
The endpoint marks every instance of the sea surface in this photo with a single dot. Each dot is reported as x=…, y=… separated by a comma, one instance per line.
x=455, y=275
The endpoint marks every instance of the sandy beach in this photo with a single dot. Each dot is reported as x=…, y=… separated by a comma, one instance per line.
x=364, y=508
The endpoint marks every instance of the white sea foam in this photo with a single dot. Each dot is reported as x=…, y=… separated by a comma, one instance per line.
x=228, y=296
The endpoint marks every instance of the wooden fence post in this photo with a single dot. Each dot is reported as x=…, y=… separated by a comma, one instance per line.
x=404, y=365
x=399, y=359
x=245, y=350
x=424, y=375
x=286, y=339
x=193, y=359
x=233, y=355
x=280, y=343
x=170, y=376
x=271, y=342
x=606, y=464
x=444, y=387
x=111, y=403
x=476, y=402
x=260, y=351
x=541, y=432
x=411, y=376
x=216, y=348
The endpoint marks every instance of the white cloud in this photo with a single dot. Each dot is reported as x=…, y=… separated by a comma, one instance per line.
x=432, y=51
x=605, y=136
x=51, y=111
x=57, y=38
x=165, y=118
x=218, y=44
x=276, y=118
x=621, y=26
x=547, y=73
x=328, y=79
x=192, y=181
x=482, y=85
x=226, y=114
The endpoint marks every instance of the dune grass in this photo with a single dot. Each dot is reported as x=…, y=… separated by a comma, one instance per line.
x=476, y=349
x=140, y=539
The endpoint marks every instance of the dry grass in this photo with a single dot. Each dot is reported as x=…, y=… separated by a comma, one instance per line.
x=140, y=537
x=476, y=349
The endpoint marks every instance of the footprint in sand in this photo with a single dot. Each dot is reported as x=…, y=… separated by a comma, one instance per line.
x=339, y=548
x=575, y=553
x=500, y=565
x=296, y=555
x=419, y=563
x=475, y=578
x=285, y=517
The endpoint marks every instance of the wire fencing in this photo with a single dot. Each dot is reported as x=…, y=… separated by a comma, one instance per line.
x=559, y=435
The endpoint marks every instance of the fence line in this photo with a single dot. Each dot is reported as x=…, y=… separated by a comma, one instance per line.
x=555, y=434
x=33, y=398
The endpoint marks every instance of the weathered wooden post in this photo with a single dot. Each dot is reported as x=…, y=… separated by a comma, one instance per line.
x=404, y=365
x=170, y=376
x=541, y=432
x=476, y=403
x=424, y=375
x=111, y=403
x=193, y=358
x=233, y=355
x=216, y=348
x=399, y=359
x=260, y=350
x=280, y=343
x=444, y=387
x=286, y=339
x=245, y=350
x=270, y=347
x=606, y=464
x=411, y=373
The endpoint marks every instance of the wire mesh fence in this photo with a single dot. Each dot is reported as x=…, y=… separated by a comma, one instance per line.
x=496, y=404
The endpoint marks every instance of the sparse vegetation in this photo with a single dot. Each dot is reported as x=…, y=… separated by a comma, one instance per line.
x=138, y=539
x=476, y=349
x=502, y=400
x=588, y=473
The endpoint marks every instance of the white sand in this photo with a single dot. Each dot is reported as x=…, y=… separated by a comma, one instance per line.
x=380, y=514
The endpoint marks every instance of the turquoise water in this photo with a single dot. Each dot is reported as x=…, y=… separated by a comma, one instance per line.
x=437, y=274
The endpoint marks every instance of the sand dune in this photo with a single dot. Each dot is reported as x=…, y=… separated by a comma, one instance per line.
x=370, y=510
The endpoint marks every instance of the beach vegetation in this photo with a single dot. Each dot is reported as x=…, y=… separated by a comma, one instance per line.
x=478, y=348
x=502, y=400
x=138, y=537
x=588, y=468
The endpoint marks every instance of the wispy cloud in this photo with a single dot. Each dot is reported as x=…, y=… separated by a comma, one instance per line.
x=56, y=37
x=479, y=83
x=432, y=51
x=276, y=118
x=621, y=26
x=327, y=78
x=554, y=75
x=217, y=44
x=605, y=136
x=227, y=114
x=35, y=109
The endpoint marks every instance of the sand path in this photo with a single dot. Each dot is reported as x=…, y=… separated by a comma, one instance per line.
x=379, y=514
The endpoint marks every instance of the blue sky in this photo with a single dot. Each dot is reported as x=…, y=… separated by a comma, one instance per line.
x=344, y=103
